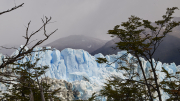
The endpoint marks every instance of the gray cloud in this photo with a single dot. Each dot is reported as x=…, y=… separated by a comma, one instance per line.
x=88, y=17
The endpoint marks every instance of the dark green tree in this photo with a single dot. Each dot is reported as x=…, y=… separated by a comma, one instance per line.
x=129, y=88
x=170, y=85
x=141, y=39
x=28, y=83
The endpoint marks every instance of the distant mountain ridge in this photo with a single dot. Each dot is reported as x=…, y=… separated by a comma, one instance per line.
x=89, y=44
x=166, y=53
x=108, y=48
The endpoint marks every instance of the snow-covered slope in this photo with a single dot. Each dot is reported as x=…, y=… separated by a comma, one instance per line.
x=72, y=65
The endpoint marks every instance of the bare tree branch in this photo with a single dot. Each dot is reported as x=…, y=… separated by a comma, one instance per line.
x=8, y=48
x=9, y=10
x=22, y=52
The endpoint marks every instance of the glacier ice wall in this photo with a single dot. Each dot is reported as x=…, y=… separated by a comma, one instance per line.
x=74, y=64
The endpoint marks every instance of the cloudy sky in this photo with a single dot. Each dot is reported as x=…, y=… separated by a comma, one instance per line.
x=74, y=17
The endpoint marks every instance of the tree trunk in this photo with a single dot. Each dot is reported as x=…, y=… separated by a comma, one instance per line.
x=40, y=88
x=156, y=82
x=42, y=94
x=31, y=97
x=149, y=91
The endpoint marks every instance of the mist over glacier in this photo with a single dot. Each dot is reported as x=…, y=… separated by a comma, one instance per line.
x=73, y=65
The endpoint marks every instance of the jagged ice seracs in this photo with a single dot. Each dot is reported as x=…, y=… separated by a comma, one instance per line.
x=73, y=65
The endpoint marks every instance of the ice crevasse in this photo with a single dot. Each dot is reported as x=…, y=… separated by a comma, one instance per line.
x=73, y=65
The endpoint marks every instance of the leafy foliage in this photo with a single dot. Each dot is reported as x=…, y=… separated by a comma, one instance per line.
x=170, y=85
x=141, y=39
x=117, y=89
x=93, y=97
x=28, y=85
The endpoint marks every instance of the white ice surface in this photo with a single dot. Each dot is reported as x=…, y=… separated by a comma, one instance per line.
x=74, y=64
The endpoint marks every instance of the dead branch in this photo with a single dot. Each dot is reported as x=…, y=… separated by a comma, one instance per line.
x=22, y=51
x=8, y=47
x=9, y=10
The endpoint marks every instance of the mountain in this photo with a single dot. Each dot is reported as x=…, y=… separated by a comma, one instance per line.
x=89, y=44
x=108, y=48
x=166, y=53
x=72, y=65
x=168, y=50
x=176, y=30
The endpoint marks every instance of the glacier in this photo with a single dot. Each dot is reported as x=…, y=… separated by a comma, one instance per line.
x=73, y=65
